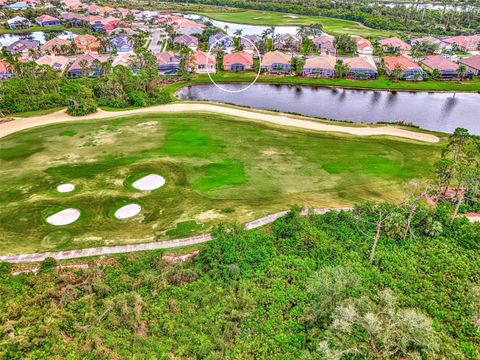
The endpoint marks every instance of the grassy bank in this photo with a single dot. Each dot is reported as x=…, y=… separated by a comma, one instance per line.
x=272, y=18
x=381, y=83
x=4, y=30
x=213, y=174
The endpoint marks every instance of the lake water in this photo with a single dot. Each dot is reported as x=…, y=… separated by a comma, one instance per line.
x=8, y=39
x=246, y=29
x=433, y=111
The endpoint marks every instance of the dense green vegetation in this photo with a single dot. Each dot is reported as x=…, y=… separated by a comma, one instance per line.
x=210, y=166
x=303, y=288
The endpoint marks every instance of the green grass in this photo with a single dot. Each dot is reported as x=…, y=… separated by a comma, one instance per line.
x=217, y=169
x=381, y=83
x=272, y=18
x=26, y=114
x=4, y=30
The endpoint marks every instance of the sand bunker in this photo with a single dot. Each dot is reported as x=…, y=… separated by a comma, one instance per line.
x=64, y=188
x=64, y=217
x=149, y=182
x=128, y=211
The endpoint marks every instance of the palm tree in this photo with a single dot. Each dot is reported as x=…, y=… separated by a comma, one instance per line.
x=238, y=32
x=461, y=72
x=84, y=66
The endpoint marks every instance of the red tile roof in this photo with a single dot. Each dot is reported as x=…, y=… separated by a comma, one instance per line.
x=396, y=43
x=359, y=63
x=469, y=43
x=362, y=43
x=274, y=57
x=238, y=58
x=43, y=18
x=200, y=58
x=4, y=66
x=439, y=62
x=391, y=62
x=472, y=61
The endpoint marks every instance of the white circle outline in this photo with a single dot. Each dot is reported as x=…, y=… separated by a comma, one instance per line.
x=209, y=53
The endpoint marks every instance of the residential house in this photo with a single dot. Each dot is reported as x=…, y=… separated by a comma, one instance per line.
x=73, y=19
x=57, y=62
x=410, y=70
x=87, y=43
x=248, y=42
x=23, y=46
x=5, y=70
x=276, y=62
x=56, y=46
x=325, y=44
x=364, y=46
x=320, y=66
x=47, y=20
x=168, y=63
x=220, y=41
x=473, y=64
x=426, y=39
x=186, y=40
x=184, y=26
x=287, y=42
x=127, y=60
x=447, y=68
x=19, y=22
x=203, y=63
x=361, y=68
x=238, y=61
x=462, y=42
x=394, y=45
x=121, y=44
x=18, y=6
x=87, y=65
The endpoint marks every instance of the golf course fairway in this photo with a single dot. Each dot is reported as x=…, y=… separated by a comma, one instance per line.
x=216, y=168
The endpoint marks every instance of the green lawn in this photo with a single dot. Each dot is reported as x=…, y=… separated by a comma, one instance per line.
x=381, y=83
x=272, y=18
x=4, y=30
x=217, y=169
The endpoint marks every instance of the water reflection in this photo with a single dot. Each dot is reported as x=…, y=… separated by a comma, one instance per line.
x=434, y=111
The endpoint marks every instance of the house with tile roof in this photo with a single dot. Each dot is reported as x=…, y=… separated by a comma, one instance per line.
x=202, y=63
x=238, y=61
x=126, y=60
x=18, y=22
x=468, y=43
x=23, y=46
x=410, y=70
x=446, y=68
x=325, y=44
x=287, y=42
x=186, y=40
x=276, y=62
x=473, y=64
x=86, y=65
x=184, y=26
x=247, y=42
x=320, y=66
x=5, y=70
x=394, y=45
x=47, y=20
x=168, y=63
x=427, y=39
x=361, y=68
x=364, y=46
x=220, y=41
x=56, y=62
x=87, y=43
x=56, y=46
x=121, y=44
x=19, y=6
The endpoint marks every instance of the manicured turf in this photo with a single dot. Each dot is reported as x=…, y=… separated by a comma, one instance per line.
x=381, y=83
x=272, y=18
x=217, y=169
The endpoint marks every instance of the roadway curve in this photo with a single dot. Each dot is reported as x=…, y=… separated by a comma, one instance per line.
x=117, y=249
x=19, y=124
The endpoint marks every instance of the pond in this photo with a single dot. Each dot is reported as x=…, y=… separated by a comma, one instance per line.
x=433, y=111
x=246, y=29
x=8, y=39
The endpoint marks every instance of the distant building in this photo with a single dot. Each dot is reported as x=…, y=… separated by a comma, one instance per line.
x=426, y=39
x=276, y=62
x=54, y=61
x=18, y=6
x=47, y=20
x=220, y=41
x=187, y=27
x=361, y=68
x=394, y=45
x=248, y=41
x=364, y=46
x=5, y=70
x=18, y=22
x=87, y=43
x=121, y=44
x=186, y=40
x=462, y=42
x=320, y=66
x=238, y=61
x=168, y=63
x=56, y=46
x=325, y=44
x=126, y=60
x=84, y=66
x=473, y=64
x=410, y=70
x=287, y=42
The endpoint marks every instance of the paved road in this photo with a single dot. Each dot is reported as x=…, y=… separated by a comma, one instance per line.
x=117, y=249
x=157, y=35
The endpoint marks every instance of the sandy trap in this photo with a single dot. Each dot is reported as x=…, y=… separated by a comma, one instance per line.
x=65, y=188
x=64, y=217
x=149, y=182
x=128, y=211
